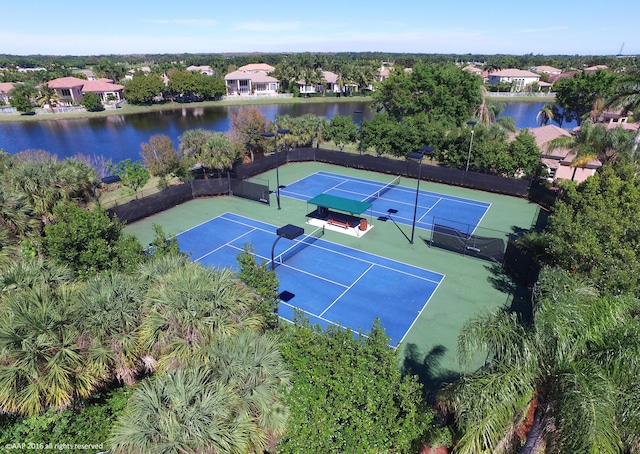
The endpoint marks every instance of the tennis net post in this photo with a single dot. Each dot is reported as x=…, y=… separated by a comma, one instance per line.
x=300, y=245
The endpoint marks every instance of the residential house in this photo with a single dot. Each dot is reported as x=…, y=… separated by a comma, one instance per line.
x=202, y=69
x=258, y=83
x=546, y=70
x=564, y=75
x=129, y=75
x=88, y=73
x=5, y=88
x=592, y=69
x=473, y=70
x=558, y=161
x=255, y=68
x=330, y=84
x=71, y=89
x=519, y=78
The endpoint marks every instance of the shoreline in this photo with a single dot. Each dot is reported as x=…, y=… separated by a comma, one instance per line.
x=129, y=109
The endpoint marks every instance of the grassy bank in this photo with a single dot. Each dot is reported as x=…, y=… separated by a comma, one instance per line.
x=129, y=109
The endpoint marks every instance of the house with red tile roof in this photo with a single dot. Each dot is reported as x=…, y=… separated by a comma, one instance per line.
x=542, y=69
x=71, y=89
x=592, y=69
x=558, y=161
x=255, y=68
x=330, y=83
x=5, y=88
x=520, y=78
x=242, y=83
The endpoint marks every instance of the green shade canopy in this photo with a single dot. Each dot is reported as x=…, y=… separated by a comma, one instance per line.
x=333, y=202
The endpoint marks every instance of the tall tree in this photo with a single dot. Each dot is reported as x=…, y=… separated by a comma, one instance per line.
x=143, y=89
x=592, y=142
x=445, y=93
x=160, y=156
x=576, y=95
x=109, y=311
x=184, y=411
x=89, y=242
x=247, y=125
x=545, y=115
x=626, y=96
x=557, y=382
x=134, y=175
x=341, y=130
x=47, y=96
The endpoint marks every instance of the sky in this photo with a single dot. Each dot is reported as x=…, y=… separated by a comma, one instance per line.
x=72, y=27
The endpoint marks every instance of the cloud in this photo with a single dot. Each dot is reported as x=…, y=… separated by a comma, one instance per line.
x=268, y=26
x=187, y=22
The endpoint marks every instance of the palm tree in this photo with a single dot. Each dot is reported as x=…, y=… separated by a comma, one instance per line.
x=487, y=113
x=41, y=362
x=27, y=274
x=593, y=142
x=545, y=115
x=558, y=382
x=47, y=96
x=252, y=364
x=188, y=307
x=109, y=311
x=627, y=98
x=16, y=214
x=185, y=411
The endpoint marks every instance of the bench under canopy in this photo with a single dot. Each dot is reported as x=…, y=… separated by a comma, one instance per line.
x=332, y=202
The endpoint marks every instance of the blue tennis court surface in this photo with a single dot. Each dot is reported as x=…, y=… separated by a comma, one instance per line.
x=330, y=283
x=395, y=202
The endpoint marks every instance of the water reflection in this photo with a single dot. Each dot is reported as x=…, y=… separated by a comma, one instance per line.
x=119, y=137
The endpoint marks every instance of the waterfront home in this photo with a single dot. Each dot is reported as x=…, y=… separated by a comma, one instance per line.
x=518, y=77
x=241, y=83
x=5, y=88
x=71, y=89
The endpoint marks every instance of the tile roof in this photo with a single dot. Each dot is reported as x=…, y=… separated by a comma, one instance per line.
x=238, y=75
x=262, y=78
x=546, y=69
x=6, y=87
x=511, y=72
x=66, y=82
x=330, y=77
x=100, y=86
x=257, y=67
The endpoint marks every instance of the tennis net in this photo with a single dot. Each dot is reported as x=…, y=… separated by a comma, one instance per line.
x=382, y=190
x=299, y=245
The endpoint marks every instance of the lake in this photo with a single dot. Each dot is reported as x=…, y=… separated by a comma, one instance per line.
x=118, y=137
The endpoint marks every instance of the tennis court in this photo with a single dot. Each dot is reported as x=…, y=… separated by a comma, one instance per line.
x=331, y=283
x=392, y=201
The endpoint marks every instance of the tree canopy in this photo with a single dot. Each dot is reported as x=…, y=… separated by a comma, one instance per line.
x=445, y=93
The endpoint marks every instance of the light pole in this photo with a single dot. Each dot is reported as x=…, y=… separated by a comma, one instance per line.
x=275, y=149
x=290, y=232
x=359, y=113
x=418, y=155
x=473, y=125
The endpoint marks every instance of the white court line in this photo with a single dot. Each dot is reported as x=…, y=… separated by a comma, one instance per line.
x=268, y=259
x=419, y=313
x=346, y=290
x=226, y=244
